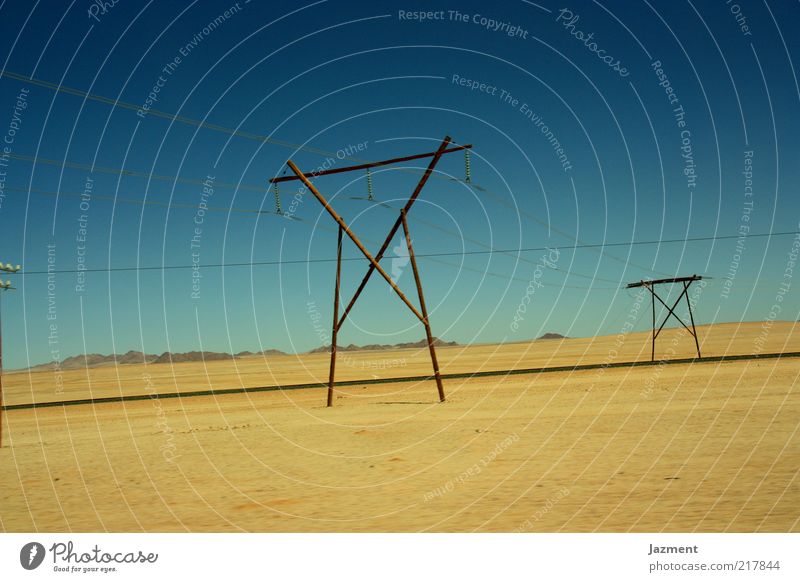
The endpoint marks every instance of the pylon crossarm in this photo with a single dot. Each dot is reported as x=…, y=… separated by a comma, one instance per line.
x=368, y=165
x=421, y=184
x=353, y=237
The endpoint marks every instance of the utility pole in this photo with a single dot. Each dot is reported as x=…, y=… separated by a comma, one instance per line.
x=650, y=285
x=374, y=261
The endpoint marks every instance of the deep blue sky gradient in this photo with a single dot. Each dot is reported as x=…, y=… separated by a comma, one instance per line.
x=338, y=73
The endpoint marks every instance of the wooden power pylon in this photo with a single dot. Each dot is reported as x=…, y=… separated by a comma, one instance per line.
x=374, y=261
x=650, y=286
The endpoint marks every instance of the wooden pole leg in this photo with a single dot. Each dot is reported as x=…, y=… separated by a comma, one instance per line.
x=653, y=341
x=335, y=330
x=425, y=321
x=691, y=318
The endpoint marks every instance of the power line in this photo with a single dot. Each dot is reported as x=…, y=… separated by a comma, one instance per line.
x=513, y=253
x=132, y=173
x=261, y=139
x=426, y=255
x=249, y=136
x=293, y=146
x=552, y=227
x=164, y=115
x=152, y=202
x=434, y=226
x=267, y=212
x=254, y=188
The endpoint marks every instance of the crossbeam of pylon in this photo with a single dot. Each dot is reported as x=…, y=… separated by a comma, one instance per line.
x=369, y=165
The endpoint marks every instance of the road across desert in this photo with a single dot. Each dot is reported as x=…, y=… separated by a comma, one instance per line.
x=707, y=446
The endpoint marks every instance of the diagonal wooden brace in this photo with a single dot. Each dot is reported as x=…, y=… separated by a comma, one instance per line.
x=353, y=237
x=441, y=151
x=672, y=311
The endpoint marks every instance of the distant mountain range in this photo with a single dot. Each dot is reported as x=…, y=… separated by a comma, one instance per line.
x=134, y=357
x=369, y=347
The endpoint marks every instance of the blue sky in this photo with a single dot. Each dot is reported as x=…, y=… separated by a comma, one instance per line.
x=329, y=75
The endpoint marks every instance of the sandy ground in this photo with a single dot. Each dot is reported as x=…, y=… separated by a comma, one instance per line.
x=699, y=447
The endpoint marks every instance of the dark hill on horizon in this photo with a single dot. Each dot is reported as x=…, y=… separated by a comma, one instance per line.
x=551, y=336
x=372, y=347
x=135, y=357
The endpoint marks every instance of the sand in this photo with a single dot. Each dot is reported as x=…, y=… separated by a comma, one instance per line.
x=690, y=447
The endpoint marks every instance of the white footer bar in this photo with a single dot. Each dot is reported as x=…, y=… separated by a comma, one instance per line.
x=406, y=557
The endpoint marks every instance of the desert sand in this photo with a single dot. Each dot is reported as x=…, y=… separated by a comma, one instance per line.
x=707, y=446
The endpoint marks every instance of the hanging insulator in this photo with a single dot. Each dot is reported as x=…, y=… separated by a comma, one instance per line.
x=277, y=198
x=467, y=169
x=369, y=185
